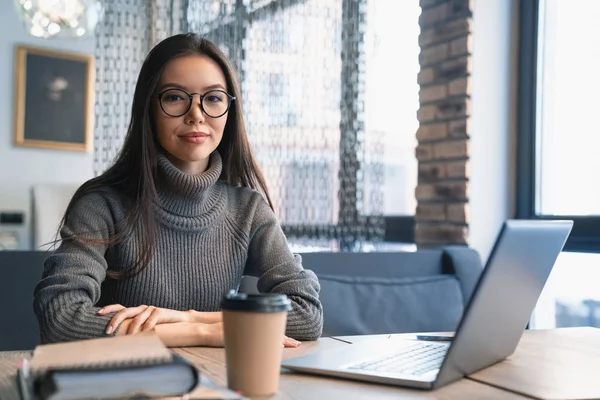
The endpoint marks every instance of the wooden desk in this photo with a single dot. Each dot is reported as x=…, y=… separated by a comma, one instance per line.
x=551, y=364
x=547, y=364
x=211, y=361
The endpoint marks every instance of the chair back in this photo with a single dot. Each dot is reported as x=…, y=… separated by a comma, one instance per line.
x=20, y=272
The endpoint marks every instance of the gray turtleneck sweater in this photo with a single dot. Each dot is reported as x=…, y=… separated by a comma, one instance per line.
x=209, y=234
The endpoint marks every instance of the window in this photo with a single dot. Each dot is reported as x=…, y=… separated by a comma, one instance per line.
x=557, y=148
x=557, y=140
x=330, y=97
x=391, y=103
x=292, y=108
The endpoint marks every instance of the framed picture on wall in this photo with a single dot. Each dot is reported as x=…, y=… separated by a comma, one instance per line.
x=54, y=99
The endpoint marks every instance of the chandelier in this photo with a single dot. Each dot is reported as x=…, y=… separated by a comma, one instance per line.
x=59, y=18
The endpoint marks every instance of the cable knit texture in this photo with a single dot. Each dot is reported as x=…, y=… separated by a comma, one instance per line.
x=209, y=234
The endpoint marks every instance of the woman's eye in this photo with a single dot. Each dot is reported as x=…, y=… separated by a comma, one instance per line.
x=214, y=99
x=172, y=97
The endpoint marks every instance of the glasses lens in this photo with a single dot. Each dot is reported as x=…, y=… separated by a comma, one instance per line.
x=175, y=102
x=215, y=103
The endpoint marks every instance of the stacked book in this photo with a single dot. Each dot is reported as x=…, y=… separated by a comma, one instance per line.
x=137, y=366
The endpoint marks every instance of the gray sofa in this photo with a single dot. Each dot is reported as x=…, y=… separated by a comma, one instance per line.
x=20, y=272
x=370, y=293
x=362, y=293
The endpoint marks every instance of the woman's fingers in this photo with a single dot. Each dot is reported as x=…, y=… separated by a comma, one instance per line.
x=143, y=318
x=110, y=309
x=152, y=320
x=289, y=342
x=136, y=323
x=121, y=316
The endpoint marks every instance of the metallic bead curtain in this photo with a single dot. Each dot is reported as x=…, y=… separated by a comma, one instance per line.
x=122, y=41
x=301, y=64
x=128, y=31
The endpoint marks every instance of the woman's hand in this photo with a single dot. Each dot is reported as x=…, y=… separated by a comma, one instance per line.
x=289, y=342
x=142, y=318
x=211, y=335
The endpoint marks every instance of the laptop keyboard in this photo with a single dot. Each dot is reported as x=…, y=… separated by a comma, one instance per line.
x=416, y=359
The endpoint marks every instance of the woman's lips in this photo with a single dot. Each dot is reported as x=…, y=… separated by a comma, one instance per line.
x=194, y=137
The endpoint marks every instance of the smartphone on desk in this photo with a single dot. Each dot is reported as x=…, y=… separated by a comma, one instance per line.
x=434, y=338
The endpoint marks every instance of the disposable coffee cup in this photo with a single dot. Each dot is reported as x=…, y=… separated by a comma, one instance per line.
x=254, y=326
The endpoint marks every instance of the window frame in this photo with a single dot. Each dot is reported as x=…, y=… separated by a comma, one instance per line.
x=397, y=228
x=585, y=236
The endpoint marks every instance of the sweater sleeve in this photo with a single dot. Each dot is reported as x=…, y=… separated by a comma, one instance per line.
x=280, y=271
x=64, y=299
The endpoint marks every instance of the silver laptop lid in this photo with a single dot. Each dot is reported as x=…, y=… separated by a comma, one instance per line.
x=505, y=296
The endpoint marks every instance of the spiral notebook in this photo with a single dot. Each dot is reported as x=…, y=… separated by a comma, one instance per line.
x=120, y=351
x=107, y=368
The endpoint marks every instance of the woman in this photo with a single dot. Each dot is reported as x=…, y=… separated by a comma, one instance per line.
x=184, y=212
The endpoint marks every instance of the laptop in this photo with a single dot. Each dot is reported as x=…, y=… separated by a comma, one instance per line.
x=492, y=325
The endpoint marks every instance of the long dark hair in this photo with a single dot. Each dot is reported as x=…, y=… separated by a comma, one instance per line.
x=133, y=174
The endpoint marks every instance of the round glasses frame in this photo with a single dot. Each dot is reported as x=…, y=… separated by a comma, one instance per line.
x=230, y=98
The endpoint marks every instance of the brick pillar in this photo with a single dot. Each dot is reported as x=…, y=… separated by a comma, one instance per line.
x=443, y=136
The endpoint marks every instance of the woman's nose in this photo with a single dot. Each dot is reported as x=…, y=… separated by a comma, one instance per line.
x=195, y=113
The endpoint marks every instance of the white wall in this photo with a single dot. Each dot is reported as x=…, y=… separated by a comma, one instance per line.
x=493, y=121
x=22, y=167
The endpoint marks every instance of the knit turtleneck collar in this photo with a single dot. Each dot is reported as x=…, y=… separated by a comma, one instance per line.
x=190, y=201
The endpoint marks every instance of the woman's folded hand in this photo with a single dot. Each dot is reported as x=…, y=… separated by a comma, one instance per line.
x=142, y=318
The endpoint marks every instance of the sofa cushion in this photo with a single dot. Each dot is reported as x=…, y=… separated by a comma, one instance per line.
x=370, y=305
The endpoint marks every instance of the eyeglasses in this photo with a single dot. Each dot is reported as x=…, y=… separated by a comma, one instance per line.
x=177, y=102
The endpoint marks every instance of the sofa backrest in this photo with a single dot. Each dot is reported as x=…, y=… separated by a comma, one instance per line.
x=20, y=272
x=383, y=264
x=371, y=293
